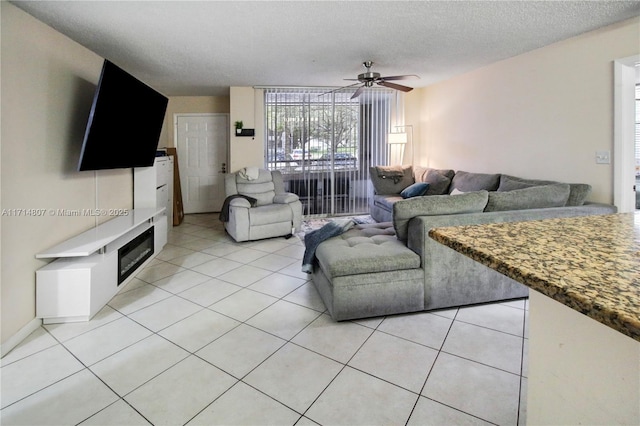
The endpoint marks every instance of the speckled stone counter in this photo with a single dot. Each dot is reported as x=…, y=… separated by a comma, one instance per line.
x=591, y=263
x=584, y=310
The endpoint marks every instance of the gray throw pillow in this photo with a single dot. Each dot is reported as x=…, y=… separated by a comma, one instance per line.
x=438, y=181
x=405, y=210
x=468, y=182
x=389, y=180
x=535, y=197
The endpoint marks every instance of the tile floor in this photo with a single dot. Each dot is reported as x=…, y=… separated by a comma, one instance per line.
x=215, y=332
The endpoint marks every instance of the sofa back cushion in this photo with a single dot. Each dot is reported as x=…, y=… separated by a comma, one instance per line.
x=388, y=180
x=438, y=179
x=405, y=210
x=468, y=182
x=262, y=188
x=534, y=197
x=578, y=192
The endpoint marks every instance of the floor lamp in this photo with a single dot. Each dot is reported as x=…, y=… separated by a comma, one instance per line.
x=397, y=142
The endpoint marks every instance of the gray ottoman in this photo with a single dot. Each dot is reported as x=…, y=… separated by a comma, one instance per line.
x=367, y=272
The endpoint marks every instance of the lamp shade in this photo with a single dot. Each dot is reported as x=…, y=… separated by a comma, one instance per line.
x=397, y=138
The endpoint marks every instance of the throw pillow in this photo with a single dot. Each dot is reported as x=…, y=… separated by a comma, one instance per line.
x=467, y=182
x=438, y=182
x=389, y=180
x=535, y=197
x=417, y=189
x=405, y=210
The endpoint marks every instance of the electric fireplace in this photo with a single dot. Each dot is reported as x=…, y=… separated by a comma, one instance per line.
x=134, y=253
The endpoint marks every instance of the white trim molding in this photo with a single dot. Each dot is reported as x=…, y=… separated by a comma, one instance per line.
x=17, y=338
x=623, y=133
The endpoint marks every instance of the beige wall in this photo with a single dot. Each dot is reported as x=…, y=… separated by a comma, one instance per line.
x=47, y=84
x=192, y=105
x=542, y=114
x=246, y=105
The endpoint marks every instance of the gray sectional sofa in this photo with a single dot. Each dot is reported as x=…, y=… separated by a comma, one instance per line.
x=394, y=267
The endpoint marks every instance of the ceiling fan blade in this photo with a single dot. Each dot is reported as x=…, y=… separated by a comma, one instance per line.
x=395, y=86
x=337, y=89
x=401, y=77
x=358, y=92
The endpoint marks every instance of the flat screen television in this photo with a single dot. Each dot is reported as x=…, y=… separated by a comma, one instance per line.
x=124, y=123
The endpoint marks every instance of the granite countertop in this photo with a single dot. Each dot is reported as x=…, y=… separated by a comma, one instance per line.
x=589, y=263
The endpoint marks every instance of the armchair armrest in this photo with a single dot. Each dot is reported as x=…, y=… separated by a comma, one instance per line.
x=240, y=202
x=285, y=198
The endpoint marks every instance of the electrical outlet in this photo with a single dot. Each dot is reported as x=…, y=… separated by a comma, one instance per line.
x=603, y=157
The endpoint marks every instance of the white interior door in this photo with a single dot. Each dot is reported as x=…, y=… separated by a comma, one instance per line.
x=202, y=144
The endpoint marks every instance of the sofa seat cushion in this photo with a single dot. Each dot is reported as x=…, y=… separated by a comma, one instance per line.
x=272, y=213
x=386, y=201
x=357, y=251
x=535, y=197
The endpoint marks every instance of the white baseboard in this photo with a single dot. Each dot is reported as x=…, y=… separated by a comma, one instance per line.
x=17, y=338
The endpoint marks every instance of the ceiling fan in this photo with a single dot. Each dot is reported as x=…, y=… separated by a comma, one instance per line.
x=369, y=78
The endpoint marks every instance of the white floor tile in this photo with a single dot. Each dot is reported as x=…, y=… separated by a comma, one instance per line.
x=292, y=250
x=180, y=393
x=66, y=402
x=197, y=244
x=171, y=252
x=495, y=316
x=243, y=305
x=476, y=389
x=424, y=328
x=338, y=341
x=245, y=275
x=356, y=398
x=181, y=281
x=241, y=350
x=243, y=405
x=158, y=272
x=222, y=249
x=131, y=301
x=295, y=270
x=35, y=342
x=307, y=295
x=490, y=347
x=35, y=372
x=64, y=332
x=432, y=413
x=277, y=285
x=283, y=319
x=199, y=329
x=395, y=360
x=274, y=262
x=216, y=267
x=137, y=364
x=209, y=292
x=294, y=376
x=165, y=313
x=104, y=341
x=118, y=413
x=246, y=255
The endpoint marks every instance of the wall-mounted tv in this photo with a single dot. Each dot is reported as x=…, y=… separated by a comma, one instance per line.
x=124, y=123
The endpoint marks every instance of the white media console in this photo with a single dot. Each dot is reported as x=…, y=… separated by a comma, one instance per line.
x=86, y=272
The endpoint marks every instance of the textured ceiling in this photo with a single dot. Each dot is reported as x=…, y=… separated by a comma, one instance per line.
x=202, y=48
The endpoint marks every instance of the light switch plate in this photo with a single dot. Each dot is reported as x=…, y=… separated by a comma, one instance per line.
x=603, y=157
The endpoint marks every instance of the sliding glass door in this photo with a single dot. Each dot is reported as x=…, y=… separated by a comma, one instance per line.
x=324, y=143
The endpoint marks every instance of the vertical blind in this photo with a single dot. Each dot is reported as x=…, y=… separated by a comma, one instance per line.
x=637, y=129
x=324, y=142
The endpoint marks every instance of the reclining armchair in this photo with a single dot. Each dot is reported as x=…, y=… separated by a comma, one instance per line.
x=258, y=206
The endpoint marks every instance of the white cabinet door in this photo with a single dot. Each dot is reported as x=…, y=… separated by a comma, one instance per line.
x=202, y=144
